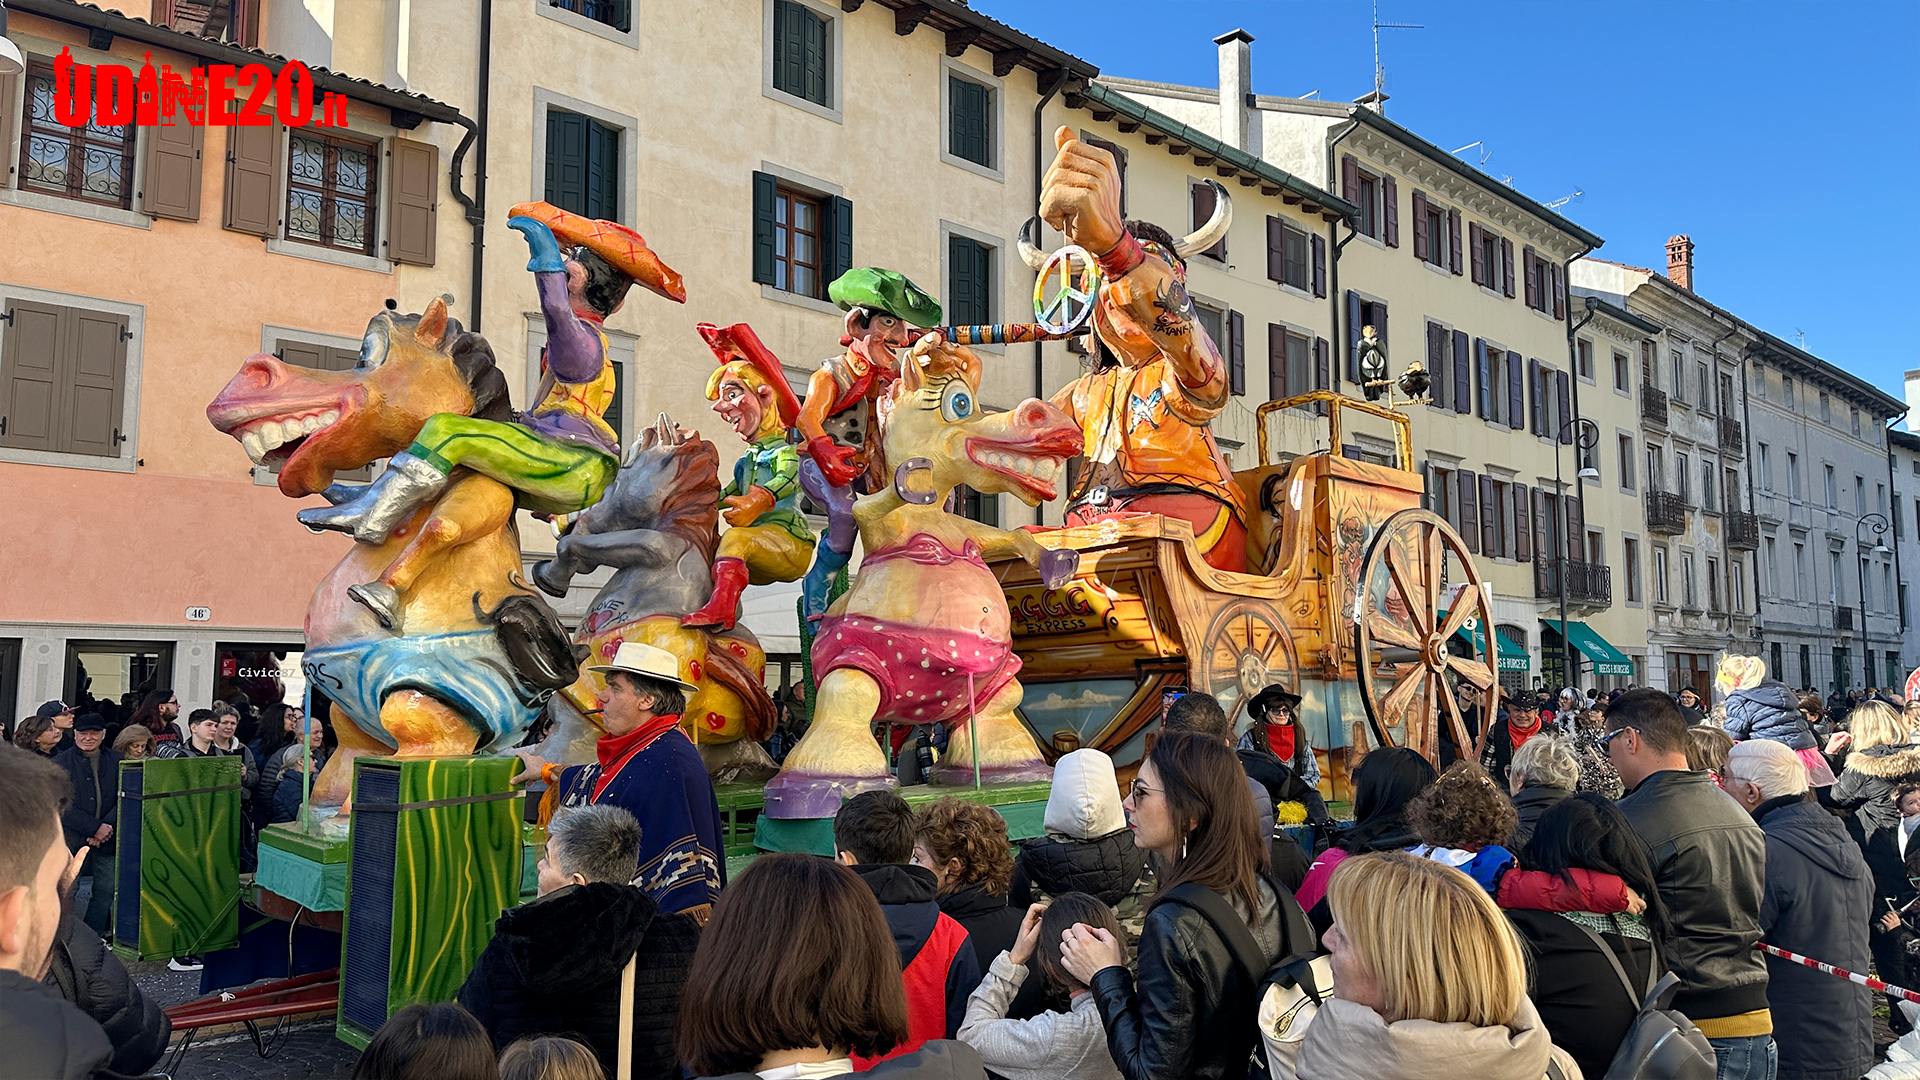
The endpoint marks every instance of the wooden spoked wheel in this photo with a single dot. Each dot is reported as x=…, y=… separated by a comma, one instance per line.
x=1247, y=648
x=1418, y=589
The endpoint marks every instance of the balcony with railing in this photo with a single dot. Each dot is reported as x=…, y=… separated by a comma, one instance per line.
x=1731, y=442
x=1666, y=512
x=1740, y=530
x=1843, y=618
x=615, y=13
x=1653, y=404
x=1589, y=585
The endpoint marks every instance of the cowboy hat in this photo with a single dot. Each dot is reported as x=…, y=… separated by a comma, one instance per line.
x=1268, y=698
x=652, y=661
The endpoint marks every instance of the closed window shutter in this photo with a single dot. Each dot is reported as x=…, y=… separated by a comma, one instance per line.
x=1522, y=534
x=1539, y=524
x=1236, y=352
x=1476, y=253
x=1462, y=374
x=1483, y=367
x=1380, y=325
x=837, y=246
x=814, y=55
x=1350, y=180
x=961, y=288
x=1530, y=265
x=1321, y=364
x=566, y=185
x=1538, y=423
x=1201, y=199
x=603, y=172
x=967, y=120
x=1437, y=364
x=1277, y=388
x=96, y=383
x=1421, y=244
x=1426, y=485
x=170, y=187
x=1506, y=266
x=6, y=128
x=34, y=349
x=302, y=354
x=1559, y=294
x=1276, y=250
x=1319, y=266
x=250, y=202
x=765, y=189
x=1467, y=517
x=1353, y=336
x=1489, y=519
x=1390, y=197
x=1576, y=528
x=1453, y=240
x=1562, y=395
x=1516, y=391
x=413, y=201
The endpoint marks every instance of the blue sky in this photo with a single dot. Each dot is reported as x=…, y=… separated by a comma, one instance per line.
x=1783, y=137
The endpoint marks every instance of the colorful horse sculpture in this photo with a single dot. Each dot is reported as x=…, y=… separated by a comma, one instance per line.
x=657, y=524
x=481, y=652
x=924, y=635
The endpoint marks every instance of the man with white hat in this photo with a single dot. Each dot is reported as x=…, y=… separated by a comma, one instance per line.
x=649, y=767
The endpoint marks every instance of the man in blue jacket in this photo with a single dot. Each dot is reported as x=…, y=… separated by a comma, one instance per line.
x=93, y=816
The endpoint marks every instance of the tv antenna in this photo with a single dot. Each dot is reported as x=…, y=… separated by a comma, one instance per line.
x=1564, y=200
x=1486, y=155
x=1309, y=94
x=1802, y=335
x=1380, y=73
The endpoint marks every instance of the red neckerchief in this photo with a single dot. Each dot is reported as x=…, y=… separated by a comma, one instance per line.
x=870, y=377
x=616, y=750
x=1280, y=741
x=1519, y=736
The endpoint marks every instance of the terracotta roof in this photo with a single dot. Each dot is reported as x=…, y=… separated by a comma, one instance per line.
x=1611, y=262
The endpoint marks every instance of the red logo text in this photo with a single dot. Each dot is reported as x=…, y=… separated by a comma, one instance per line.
x=112, y=95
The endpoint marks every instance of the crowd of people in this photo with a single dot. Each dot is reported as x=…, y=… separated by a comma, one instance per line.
x=1590, y=870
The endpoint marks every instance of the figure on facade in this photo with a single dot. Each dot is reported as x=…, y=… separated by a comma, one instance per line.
x=481, y=653
x=839, y=421
x=768, y=540
x=1145, y=407
x=557, y=456
x=1372, y=361
x=924, y=634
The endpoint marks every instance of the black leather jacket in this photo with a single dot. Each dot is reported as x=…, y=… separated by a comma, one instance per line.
x=1194, y=1013
x=82, y=970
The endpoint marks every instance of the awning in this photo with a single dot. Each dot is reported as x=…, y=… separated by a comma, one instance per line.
x=1607, y=660
x=1513, y=657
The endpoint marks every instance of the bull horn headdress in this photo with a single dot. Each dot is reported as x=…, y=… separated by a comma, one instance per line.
x=1195, y=242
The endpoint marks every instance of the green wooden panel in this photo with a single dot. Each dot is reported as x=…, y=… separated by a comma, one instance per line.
x=189, y=852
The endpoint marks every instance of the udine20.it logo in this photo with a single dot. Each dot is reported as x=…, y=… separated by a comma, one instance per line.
x=221, y=95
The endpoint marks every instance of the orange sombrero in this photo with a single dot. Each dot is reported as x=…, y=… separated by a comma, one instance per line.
x=623, y=248
x=739, y=342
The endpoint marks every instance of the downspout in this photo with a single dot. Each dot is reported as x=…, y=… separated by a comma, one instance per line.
x=1893, y=510
x=1341, y=343
x=476, y=214
x=1753, y=506
x=1039, y=167
x=1568, y=673
x=1713, y=351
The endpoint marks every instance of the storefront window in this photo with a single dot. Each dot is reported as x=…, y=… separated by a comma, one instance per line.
x=119, y=671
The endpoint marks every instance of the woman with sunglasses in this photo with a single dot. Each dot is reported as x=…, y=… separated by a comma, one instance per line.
x=1277, y=752
x=1192, y=1013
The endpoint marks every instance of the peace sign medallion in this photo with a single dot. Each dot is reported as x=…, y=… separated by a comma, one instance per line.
x=1068, y=308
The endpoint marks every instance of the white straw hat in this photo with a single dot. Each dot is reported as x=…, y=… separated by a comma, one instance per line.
x=639, y=658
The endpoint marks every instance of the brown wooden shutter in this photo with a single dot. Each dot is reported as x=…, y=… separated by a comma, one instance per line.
x=1559, y=294
x=1380, y=326
x=1466, y=517
x=413, y=200
x=1390, y=197
x=1277, y=387
x=1462, y=374
x=301, y=354
x=1421, y=244
x=332, y=359
x=1354, y=325
x=1576, y=528
x=1530, y=266
x=171, y=183
x=1516, y=391
x=1539, y=524
x=1522, y=535
x=1538, y=423
x=1236, y=352
x=1319, y=265
x=1426, y=485
x=96, y=387
x=1437, y=377
x=1350, y=179
x=1476, y=254
x=1483, y=378
x=1506, y=266
x=1489, y=518
x=7, y=138
x=1453, y=241
x=34, y=344
x=1322, y=367
x=250, y=203
x=1562, y=395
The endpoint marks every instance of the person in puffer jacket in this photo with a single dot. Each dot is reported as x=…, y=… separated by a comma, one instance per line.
x=85, y=973
x=1762, y=708
x=1087, y=846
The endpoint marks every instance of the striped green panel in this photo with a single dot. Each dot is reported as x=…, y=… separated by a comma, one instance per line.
x=189, y=856
x=457, y=868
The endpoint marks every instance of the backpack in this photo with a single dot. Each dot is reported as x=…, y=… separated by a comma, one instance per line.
x=1662, y=1043
x=1290, y=992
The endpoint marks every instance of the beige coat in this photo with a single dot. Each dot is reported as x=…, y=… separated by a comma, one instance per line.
x=1351, y=1042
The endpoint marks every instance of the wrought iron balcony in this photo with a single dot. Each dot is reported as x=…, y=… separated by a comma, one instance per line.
x=1653, y=404
x=1843, y=618
x=1731, y=442
x=1666, y=512
x=1740, y=530
x=1589, y=585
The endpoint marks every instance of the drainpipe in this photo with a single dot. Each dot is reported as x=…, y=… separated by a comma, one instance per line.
x=476, y=214
x=1569, y=676
x=1713, y=351
x=1753, y=507
x=1893, y=508
x=1039, y=168
x=1340, y=343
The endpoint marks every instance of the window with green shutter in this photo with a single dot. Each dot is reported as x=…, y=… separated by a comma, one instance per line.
x=980, y=506
x=970, y=121
x=583, y=165
x=969, y=281
x=800, y=52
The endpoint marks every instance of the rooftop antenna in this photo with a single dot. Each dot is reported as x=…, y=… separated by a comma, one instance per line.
x=1802, y=335
x=1308, y=94
x=1564, y=200
x=1486, y=155
x=1380, y=73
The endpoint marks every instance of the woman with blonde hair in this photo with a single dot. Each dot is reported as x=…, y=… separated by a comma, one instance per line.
x=1880, y=761
x=1428, y=970
x=134, y=741
x=549, y=1057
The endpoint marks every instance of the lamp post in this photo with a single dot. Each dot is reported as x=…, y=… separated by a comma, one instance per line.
x=1586, y=437
x=1878, y=523
x=11, y=63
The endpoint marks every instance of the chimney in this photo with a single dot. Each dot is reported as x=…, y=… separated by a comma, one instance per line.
x=1680, y=261
x=1236, y=86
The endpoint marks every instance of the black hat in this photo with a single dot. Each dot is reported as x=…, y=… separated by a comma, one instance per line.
x=92, y=721
x=1535, y=700
x=1268, y=698
x=52, y=709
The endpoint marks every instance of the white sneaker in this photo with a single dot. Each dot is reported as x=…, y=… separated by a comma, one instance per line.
x=186, y=963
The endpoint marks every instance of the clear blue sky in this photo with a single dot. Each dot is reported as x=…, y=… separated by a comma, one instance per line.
x=1783, y=137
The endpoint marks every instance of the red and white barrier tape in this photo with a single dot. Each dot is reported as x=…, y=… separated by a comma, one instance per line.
x=1864, y=980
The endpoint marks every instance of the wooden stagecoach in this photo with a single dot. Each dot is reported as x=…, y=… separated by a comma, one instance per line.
x=1359, y=600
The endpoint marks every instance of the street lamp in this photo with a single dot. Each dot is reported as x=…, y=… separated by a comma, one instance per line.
x=11, y=63
x=1585, y=438
x=1878, y=523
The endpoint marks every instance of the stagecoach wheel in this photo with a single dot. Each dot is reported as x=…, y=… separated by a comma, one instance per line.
x=1247, y=648
x=1415, y=566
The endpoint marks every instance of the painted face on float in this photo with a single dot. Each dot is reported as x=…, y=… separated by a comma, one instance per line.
x=883, y=333
x=742, y=407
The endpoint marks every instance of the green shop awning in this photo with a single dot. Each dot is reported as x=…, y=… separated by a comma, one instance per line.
x=1607, y=660
x=1513, y=657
